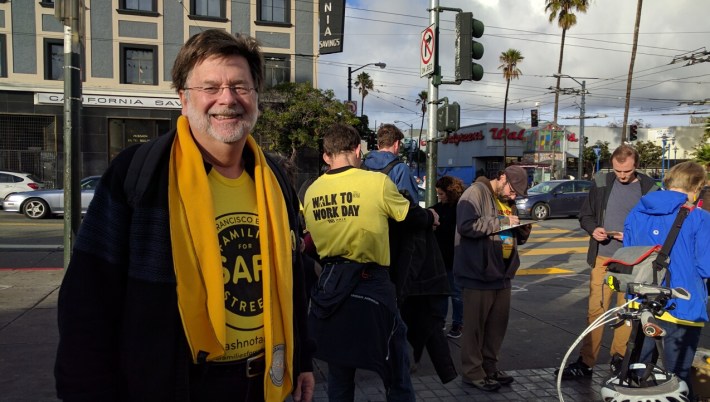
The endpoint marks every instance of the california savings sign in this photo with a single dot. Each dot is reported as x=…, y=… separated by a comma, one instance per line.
x=44, y=98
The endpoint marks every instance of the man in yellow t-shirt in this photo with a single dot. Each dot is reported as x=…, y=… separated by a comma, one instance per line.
x=354, y=315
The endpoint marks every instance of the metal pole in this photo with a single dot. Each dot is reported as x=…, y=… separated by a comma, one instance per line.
x=431, y=161
x=580, y=167
x=350, y=84
x=72, y=128
x=663, y=156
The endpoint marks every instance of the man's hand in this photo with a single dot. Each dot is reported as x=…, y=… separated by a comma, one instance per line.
x=513, y=219
x=304, y=388
x=436, y=218
x=599, y=234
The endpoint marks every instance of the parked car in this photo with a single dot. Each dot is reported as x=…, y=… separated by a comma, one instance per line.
x=553, y=198
x=43, y=203
x=13, y=182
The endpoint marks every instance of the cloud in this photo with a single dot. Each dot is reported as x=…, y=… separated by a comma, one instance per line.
x=597, y=50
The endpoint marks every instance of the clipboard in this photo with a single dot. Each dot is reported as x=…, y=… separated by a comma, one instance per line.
x=522, y=223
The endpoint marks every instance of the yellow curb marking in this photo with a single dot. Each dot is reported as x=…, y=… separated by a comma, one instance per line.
x=543, y=271
x=553, y=251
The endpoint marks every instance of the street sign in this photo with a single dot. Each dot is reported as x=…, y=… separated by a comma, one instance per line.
x=426, y=51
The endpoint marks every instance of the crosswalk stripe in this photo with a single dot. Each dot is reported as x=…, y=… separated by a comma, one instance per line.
x=555, y=239
x=544, y=271
x=553, y=251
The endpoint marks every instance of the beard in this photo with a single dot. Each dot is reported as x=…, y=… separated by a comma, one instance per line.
x=201, y=122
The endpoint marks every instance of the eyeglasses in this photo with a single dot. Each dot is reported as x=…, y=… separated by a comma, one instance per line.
x=510, y=189
x=217, y=91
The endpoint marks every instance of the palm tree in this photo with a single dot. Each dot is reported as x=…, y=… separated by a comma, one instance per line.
x=509, y=63
x=639, y=4
x=364, y=85
x=562, y=10
x=421, y=100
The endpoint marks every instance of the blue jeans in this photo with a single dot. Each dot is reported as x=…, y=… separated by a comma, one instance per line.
x=456, y=302
x=679, y=346
x=341, y=380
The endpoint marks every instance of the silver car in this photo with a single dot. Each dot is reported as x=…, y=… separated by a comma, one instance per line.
x=43, y=203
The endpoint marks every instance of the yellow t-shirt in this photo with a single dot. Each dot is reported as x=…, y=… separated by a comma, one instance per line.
x=346, y=213
x=238, y=233
x=507, y=235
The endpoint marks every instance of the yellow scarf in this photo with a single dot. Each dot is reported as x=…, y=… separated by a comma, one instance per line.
x=198, y=267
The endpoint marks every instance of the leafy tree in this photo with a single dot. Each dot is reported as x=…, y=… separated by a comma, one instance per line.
x=706, y=135
x=649, y=154
x=509, y=64
x=562, y=10
x=295, y=115
x=590, y=158
x=364, y=85
x=702, y=155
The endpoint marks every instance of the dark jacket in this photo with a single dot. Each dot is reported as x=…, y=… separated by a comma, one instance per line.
x=478, y=250
x=446, y=231
x=121, y=335
x=593, y=209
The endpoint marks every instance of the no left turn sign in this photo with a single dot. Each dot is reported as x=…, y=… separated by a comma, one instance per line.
x=426, y=51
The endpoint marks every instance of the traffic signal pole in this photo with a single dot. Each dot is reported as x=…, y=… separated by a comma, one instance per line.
x=432, y=131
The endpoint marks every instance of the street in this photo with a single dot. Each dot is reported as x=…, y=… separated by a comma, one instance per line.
x=548, y=307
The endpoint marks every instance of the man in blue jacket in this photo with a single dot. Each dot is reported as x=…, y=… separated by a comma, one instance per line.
x=386, y=160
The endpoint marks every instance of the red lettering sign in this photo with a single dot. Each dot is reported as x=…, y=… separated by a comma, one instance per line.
x=463, y=137
x=497, y=134
x=572, y=137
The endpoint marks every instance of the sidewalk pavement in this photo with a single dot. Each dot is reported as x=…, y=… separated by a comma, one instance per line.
x=28, y=340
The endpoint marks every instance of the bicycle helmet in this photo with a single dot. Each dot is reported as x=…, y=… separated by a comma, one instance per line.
x=667, y=388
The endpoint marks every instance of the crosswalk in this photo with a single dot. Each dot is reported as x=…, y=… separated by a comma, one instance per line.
x=553, y=251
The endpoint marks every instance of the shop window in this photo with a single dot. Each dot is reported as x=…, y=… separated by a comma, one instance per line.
x=54, y=59
x=3, y=56
x=273, y=11
x=139, y=64
x=277, y=70
x=126, y=132
x=208, y=8
x=139, y=5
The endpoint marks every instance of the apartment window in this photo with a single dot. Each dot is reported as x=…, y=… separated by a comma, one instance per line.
x=277, y=70
x=208, y=8
x=139, y=65
x=3, y=56
x=273, y=11
x=53, y=59
x=139, y=5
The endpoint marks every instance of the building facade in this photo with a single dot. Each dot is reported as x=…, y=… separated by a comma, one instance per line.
x=477, y=150
x=128, y=48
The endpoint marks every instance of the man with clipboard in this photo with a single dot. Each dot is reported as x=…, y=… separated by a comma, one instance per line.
x=485, y=261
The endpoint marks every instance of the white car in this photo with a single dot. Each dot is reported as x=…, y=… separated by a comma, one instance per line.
x=13, y=182
x=44, y=203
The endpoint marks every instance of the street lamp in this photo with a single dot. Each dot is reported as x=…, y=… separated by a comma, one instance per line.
x=580, y=164
x=664, y=139
x=597, y=152
x=350, y=76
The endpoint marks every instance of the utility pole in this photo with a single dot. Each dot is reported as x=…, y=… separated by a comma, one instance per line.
x=432, y=132
x=69, y=13
x=580, y=164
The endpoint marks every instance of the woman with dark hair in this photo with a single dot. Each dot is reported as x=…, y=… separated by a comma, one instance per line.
x=448, y=192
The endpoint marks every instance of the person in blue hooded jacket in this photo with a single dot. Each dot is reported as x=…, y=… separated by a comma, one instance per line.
x=647, y=224
x=386, y=160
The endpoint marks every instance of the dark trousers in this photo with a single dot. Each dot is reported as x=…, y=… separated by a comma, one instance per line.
x=485, y=313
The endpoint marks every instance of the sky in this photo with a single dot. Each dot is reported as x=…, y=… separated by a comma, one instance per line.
x=597, y=50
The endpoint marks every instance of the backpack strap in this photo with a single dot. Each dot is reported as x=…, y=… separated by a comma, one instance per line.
x=387, y=168
x=663, y=258
x=143, y=165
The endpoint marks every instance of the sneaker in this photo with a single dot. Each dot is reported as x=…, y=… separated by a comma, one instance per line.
x=575, y=370
x=615, y=365
x=501, y=377
x=485, y=384
x=455, y=331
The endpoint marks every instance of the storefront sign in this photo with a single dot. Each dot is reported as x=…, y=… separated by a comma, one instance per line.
x=497, y=134
x=463, y=137
x=332, y=26
x=44, y=98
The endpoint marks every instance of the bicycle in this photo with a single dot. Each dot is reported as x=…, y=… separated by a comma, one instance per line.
x=636, y=381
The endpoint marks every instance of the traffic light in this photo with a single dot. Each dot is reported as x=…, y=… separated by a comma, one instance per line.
x=633, y=131
x=448, y=117
x=468, y=49
x=533, y=117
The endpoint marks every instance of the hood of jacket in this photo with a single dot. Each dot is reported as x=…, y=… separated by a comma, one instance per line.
x=377, y=160
x=659, y=203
